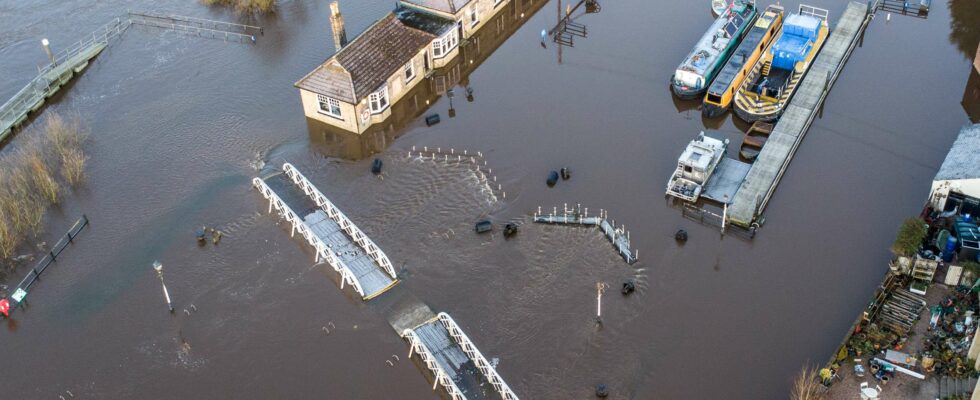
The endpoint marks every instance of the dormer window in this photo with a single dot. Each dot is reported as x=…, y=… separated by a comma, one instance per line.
x=378, y=101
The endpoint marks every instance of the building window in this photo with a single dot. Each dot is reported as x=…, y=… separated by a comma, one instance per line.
x=379, y=100
x=409, y=71
x=496, y=2
x=437, y=48
x=445, y=44
x=329, y=106
x=473, y=18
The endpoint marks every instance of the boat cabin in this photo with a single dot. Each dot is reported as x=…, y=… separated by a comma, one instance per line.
x=697, y=70
x=695, y=167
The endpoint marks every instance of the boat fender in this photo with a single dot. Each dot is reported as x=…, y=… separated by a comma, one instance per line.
x=552, y=178
x=376, y=166
x=601, y=391
x=566, y=174
x=681, y=235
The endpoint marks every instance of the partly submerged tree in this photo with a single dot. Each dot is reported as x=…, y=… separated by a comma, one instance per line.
x=965, y=26
x=251, y=7
x=806, y=385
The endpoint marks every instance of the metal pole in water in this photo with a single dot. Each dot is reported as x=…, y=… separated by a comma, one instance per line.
x=47, y=49
x=159, y=268
x=599, y=288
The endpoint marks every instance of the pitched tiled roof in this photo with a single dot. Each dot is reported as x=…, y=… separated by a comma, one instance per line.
x=369, y=60
x=330, y=80
x=961, y=161
x=447, y=6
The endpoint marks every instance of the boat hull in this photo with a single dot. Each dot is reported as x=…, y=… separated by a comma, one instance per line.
x=687, y=93
x=751, y=117
x=709, y=110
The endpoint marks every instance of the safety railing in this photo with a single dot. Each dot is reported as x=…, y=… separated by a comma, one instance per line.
x=298, y=225
x=338, y=216
x=416, y=346
x=24, y=286
x=479, y=360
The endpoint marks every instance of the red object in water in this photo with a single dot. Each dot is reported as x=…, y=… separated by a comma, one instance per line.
x=5, y=307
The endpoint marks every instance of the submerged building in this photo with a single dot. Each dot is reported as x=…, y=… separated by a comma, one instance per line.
x=355, y=88
x=451, y=80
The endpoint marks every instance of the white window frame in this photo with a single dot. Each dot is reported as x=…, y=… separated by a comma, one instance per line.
x=409, y=71
x=497, y=2
x=437, y=49
x=376, y=99
x=442, y=46
x=474, y=14
x=331, y=103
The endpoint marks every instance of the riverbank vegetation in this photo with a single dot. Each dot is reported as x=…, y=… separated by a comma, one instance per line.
x=35, y=176
x=910, y=236
x=245, y=6
x=807, y=385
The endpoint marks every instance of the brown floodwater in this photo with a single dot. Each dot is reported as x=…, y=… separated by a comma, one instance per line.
x=180, y=125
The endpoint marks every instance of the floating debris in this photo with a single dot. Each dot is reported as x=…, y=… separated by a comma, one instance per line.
x=628, y=287
x=376, y=166
x=552, y=178
x=431, y=119
x=601, y=391
x=566, y=174
x=484, y=226
x=510, y=229
x=680, y=236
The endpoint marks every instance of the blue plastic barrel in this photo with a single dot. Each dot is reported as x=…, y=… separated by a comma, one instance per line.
x=950, y=249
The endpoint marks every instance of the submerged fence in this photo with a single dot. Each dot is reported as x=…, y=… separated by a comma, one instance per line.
x=20, y=292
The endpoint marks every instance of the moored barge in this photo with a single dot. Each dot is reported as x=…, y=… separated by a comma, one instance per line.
x=765, y=92
x=722, y=90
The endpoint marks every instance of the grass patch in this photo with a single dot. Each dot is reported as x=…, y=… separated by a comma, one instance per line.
x=29, y=179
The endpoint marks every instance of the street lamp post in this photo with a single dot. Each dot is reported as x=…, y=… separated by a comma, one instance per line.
x=159, y=268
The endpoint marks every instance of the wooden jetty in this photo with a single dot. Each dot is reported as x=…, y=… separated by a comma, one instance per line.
x=335, y=238
x=67, y=63
x=457, y=364
x=618, y=236
x=753, y=195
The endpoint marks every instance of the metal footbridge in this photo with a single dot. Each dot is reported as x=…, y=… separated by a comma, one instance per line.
x=454, y=361
x=334, y=237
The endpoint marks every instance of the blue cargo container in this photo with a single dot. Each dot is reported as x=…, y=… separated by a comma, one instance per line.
x=799, y=35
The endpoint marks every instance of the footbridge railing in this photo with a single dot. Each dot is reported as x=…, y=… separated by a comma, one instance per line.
x=474, y=353
x=298, y=225
x=338, y=216
x=441, y=378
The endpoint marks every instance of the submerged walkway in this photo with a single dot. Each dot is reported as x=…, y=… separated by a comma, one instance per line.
x=335, y=238
x=753, y=195
x=73, y=59
x=618, y=236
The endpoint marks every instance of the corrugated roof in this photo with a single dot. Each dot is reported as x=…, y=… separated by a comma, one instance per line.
x=366, y=63
x=447, y=6
x=963, y=159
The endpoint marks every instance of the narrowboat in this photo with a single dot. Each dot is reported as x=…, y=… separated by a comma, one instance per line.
x=770, y=85
x=722, y=89
x=695, y=166
x=718, y=7
x=692, y=77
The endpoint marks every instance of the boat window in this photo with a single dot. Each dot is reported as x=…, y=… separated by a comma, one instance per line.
x=687, y=168
x=714, y=98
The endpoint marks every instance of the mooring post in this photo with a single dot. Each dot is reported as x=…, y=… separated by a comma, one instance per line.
x=599, y=287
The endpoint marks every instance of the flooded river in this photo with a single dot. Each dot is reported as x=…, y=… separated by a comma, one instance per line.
x=180, y=125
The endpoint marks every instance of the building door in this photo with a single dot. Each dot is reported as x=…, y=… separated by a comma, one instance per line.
x=459, y=29
x=425, y=61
